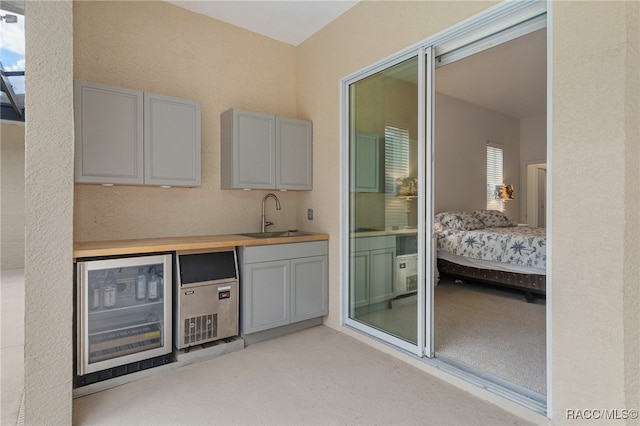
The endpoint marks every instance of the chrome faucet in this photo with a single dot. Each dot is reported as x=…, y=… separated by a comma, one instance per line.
x=264, y=200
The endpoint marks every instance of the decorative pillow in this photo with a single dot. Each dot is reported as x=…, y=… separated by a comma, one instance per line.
x=494, y=218
x=459, y=220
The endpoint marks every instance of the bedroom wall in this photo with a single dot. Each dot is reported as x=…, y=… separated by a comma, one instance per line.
x=12, y=204
x=533, y=138
x=462, y=131
x=161, y=48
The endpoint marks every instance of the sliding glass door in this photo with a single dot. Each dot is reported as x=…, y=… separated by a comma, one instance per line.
x=386, y=203
x=391, y=194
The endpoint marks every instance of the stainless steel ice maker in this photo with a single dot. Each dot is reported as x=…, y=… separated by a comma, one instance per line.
x=206, y=302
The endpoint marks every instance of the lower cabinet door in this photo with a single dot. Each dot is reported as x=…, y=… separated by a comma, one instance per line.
x=360, y=279
x=309, y=288
x=382, y=262
x=265, y=296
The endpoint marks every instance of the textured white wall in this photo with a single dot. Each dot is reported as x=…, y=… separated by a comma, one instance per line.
x=49, y=212
x=631, y=305
x=161, y=48
x=12, y=193
x=588, y=205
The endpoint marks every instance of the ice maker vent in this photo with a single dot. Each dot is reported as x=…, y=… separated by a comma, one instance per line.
x=412, y=283
x=200, y=329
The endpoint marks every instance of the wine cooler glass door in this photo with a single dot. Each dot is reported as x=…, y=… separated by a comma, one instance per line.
x=125, y=311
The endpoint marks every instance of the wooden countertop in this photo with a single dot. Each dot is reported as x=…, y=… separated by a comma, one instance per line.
x=153, y=245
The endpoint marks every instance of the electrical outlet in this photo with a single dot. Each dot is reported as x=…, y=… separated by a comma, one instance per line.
x=310, y=214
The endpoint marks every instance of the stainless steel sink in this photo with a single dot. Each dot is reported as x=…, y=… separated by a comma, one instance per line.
x=275, y=234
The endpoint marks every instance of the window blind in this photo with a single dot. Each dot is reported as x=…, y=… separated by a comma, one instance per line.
x=494, y=175
x=396, y=165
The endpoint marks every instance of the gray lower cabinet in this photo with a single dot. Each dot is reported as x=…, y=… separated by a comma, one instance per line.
x=125, y=136
x=372, y=270
x=281, y=284
x=264, y=151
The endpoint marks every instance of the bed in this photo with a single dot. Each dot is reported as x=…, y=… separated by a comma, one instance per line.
x=488, y=246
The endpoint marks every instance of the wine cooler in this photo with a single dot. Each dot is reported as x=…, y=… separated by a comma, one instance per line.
x=124, y=314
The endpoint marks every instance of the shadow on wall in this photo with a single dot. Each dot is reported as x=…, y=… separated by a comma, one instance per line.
x=12, y=193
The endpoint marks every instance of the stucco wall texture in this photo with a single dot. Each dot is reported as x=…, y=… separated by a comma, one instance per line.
x=593, y=165
x=48, y=213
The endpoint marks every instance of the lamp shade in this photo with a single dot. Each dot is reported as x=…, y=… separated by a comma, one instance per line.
x=504, y=192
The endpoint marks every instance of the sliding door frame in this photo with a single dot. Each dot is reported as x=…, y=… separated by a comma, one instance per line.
x=426, y=170
x=418, y=348
x=462, y=39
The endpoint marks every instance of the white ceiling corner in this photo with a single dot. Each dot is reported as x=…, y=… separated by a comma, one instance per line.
x=510, y=78
x=288, y=21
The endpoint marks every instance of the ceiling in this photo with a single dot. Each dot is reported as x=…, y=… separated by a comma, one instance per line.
x=509, y=78
x=291, y=21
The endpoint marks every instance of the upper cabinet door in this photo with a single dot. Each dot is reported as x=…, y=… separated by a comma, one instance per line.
x=248, y=150
x=365, y=163
x=294, y=154
x=262, y=151
x=171, y=141
x=108, y=134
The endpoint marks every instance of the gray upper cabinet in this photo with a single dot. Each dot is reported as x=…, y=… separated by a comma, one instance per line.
x=294, y=159
x=366, y=163
x=109, y=134
x=171, y=141
x=131, y=137
x=263, y=151
x=248, y=150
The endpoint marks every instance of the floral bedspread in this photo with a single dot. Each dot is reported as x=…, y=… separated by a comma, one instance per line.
x=517, y=245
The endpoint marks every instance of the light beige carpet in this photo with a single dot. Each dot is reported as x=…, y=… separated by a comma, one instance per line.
x=488, y=328
x=493, y=330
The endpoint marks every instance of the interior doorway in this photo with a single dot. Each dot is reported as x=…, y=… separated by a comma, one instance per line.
x=483, y=324
x=536, y=194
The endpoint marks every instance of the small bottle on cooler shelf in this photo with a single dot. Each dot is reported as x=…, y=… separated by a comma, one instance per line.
x=154, y=285
x=109, y=290
x=94, y=295
x=141, y=285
